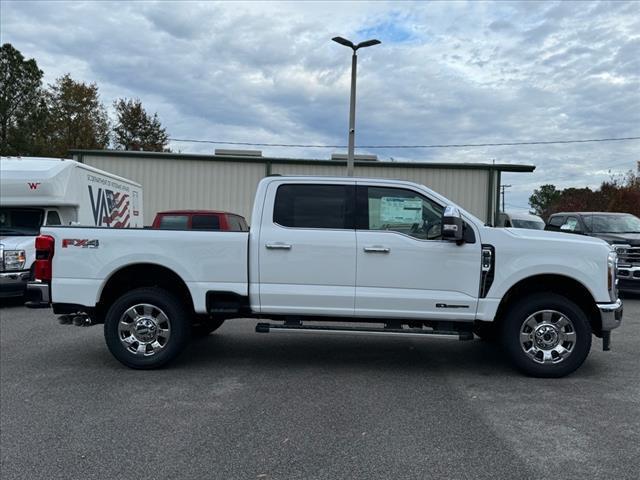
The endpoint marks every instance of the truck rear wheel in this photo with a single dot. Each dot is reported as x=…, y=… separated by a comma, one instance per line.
x=546, y=335
x=146, y=328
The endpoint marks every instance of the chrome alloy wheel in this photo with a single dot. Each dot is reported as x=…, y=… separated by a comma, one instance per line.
x=144, y=329
x=548, y=337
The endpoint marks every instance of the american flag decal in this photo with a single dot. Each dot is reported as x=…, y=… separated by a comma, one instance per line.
x=118, y=209
x=110, y=209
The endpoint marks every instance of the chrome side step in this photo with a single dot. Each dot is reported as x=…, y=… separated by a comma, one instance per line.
x=412, y=332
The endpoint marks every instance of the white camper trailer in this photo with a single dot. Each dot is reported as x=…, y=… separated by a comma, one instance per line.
x=50, y=191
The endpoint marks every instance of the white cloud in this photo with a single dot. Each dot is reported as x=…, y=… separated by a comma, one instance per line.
x=447, y=72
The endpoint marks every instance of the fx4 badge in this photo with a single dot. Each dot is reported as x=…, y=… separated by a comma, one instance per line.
x=82, y=243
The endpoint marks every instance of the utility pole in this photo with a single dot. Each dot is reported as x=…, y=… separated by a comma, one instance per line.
x=504, y=187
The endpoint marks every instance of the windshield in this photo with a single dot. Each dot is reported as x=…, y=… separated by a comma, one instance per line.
x=614, y=223
x=20, y=221
x=530, y=224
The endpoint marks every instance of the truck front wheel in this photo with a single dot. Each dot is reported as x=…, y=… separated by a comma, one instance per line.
x=146, y=328
x=546, y=335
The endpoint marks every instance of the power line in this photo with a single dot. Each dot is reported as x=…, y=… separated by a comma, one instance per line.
x=453, y=145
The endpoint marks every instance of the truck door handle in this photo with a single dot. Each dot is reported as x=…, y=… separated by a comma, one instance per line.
x=377, y=249
x=278, y=246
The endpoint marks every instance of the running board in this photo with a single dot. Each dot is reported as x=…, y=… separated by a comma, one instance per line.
x=415, y=332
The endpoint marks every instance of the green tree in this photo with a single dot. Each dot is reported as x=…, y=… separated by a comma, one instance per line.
x=135, y=129
x=543, y=198
x=20, y=102
x=76, y=118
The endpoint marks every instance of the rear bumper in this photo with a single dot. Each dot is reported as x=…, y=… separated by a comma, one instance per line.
x=611, y=315
x=38, y=295
x=13, y=284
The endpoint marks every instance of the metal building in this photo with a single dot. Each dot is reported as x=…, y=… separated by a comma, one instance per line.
x=228, y=179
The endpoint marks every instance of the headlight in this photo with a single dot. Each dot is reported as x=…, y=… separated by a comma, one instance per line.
x=14, y=259
x=612, y=266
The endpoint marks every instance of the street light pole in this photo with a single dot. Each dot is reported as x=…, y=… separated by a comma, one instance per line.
x=352, y=117
x=352, y=99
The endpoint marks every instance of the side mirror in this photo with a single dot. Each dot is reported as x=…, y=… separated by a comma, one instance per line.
x=452, y=227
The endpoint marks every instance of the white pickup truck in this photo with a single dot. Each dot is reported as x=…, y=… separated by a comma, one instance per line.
x=387, y=257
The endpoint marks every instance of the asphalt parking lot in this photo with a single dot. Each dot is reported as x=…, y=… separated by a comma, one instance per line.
x=241, y=405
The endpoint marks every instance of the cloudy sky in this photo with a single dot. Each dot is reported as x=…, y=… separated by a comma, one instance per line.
x=446, y=73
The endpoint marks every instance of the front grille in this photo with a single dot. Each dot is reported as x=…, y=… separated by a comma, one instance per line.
x=629, y=256
x=629, y=285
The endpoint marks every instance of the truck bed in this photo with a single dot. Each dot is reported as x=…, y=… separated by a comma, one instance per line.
x=212, y=261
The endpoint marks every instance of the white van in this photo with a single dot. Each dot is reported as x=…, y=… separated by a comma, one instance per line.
x=52, y=191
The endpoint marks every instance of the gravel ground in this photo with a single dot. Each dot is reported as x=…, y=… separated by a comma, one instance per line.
x=239, y=405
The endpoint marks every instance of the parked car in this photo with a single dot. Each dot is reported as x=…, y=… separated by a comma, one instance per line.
x=329, y=250
x=622, y=230
x=199, y=220
x=53, y=191
x=520, y=220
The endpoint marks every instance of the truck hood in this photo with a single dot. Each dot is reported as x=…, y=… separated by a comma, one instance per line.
x=626, y=238
x=562, y=237
x=17, y=242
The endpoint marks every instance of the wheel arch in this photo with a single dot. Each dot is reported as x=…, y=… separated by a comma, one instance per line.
x=560, y=284
x=140, y=275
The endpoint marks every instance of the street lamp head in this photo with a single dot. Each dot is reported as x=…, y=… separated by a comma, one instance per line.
x=349, y=43
x=368, y=43
x=344, y=41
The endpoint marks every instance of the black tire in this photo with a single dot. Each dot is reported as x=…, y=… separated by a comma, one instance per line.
x=154, y=352
x=572, y=341
x=206, y=326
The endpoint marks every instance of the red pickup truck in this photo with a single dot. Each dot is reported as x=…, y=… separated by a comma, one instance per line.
x=200, y=220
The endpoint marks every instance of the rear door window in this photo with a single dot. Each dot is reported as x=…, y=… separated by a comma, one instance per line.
x=314, y=206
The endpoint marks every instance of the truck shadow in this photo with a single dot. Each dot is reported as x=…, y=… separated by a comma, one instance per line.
x=321, y=353
x=11, y=302
x=291, y=351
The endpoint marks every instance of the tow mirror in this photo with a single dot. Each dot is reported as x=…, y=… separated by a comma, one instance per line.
x=452, y=225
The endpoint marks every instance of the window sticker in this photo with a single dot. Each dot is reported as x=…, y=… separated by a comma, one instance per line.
x=400, y=210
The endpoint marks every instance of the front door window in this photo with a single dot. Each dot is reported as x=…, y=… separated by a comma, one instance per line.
x=403, y=211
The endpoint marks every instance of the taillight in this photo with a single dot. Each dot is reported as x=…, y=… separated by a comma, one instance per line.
x=44, y=257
